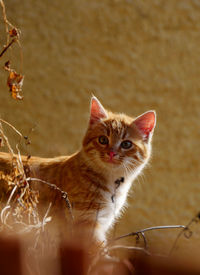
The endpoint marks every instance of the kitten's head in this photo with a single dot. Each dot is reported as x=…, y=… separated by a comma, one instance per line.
x=117, y=140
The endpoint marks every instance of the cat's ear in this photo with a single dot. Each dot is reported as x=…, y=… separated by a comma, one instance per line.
x=97, y=111
x=146, y=124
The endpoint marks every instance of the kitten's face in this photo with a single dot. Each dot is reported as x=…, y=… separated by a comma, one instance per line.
x=115, y=140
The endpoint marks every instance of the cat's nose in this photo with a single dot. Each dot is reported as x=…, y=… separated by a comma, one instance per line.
x=111, y=154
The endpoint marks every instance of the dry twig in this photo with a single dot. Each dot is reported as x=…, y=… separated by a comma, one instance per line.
x=15, y=80
x=186, y=231
x=55, y=187
x=142, y=231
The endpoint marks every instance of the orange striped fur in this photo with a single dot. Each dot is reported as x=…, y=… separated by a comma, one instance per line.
x=90, y=175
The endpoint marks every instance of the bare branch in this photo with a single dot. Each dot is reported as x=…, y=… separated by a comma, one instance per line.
x=148, y=229
x=15, y=80
x=7, y=23
x=184, y=231
x=11, y=126
x=145, y=240
x=55, y=187
x=7, y=46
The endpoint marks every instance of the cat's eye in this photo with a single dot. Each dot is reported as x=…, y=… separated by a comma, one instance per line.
x=103, y=140
x=126, y=144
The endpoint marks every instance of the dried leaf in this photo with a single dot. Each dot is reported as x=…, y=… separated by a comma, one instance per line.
x=16, y=95
x=14, y=82
x=7, y=66
x=13, y=32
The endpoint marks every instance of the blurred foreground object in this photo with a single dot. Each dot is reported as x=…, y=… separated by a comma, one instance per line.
x=73, y=259
x=10, y=256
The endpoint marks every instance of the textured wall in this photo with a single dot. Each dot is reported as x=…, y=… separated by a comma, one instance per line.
x=134, y=56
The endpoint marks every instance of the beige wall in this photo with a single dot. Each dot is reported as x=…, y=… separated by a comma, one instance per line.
x=134, y=56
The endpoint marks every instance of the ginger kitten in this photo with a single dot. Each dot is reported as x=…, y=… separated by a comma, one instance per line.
x=97, y=178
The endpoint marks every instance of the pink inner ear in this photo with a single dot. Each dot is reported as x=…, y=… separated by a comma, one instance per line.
x=146, y=123
x=97, y=111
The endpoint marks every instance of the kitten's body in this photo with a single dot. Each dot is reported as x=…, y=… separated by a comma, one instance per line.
x=90, y=175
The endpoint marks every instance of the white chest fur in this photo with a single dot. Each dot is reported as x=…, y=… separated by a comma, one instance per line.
x=114, y=202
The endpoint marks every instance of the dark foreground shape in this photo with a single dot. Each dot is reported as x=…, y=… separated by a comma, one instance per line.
x=10, y=256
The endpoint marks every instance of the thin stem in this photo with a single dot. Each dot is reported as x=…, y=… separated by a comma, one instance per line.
x=145, y=240
x=149, y=229
x=11, y=195
x=184, y=230
x=11, y=126
x=129, y=248
x=6, y=140
x=55, y=187
x=7, y=46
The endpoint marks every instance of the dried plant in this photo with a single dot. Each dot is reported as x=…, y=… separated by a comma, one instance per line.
x=21, y=207
x=15, y=80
